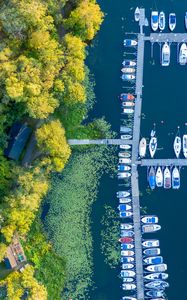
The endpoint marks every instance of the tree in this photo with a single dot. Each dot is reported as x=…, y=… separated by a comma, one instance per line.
x=3, y=249
x=52, y=143
x=85, y=20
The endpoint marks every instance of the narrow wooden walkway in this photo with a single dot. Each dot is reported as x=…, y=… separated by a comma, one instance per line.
x=100, y=142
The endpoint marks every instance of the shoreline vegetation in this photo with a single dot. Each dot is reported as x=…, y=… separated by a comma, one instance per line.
x=46, y=85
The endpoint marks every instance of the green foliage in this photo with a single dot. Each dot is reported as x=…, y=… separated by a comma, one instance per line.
x=5, y=175
x=68, y=220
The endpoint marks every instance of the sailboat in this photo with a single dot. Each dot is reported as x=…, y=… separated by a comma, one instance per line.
x=167, y=178
x=177, y=145
x=154, y=20
x=183, y=54
x=161, y=21
x=153, y=146
x=175, y=179
x=142, y=147
x=151, y=178
x=185, y=20
x=137, y=14
x=184, y=145
x=159, y=177
x=165, y=55
x=172, y=21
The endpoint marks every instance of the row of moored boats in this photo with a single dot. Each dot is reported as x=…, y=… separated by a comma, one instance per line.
x=167, y=177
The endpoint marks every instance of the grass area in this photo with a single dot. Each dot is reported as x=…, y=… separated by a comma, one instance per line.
x=68, y=220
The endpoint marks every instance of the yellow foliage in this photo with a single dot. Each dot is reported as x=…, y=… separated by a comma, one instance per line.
x=5, y=54
x=3, y=249
x=51, y=141
x=39, y=39
x=14, y=87
x=8, y=231
x=75, y=47
x=75, y=93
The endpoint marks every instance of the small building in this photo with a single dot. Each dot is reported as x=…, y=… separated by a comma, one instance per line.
x=15, y=256
x=18, y=137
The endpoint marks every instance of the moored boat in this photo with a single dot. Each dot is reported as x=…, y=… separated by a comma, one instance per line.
x=175, y=178
x=126, y=226
x=124, y=129
x=127, y=96
x=128, y=298
x=128, y=110
x=137, y=14
x=128, y=104
x=127, y=259
x=157, y=268
x=128, y=70
x=128, y=273
x=129, y=43
x=165, y=55
x=177, y=145
x=127, y=253
x=152, y=178
x=159, y=177
x=151, y=243
x=154, y=20
x=150, y=228
x=172, y=21
x=123, y=154
x=183, y=54
x=155, y=260
x=127, y=147
x=127, y=246
x=150, y=220
x=129, y=63
x=127, y=266
x=124, y=200
x=126, y=137
x=127, y=233
x=155, y=293
x=124, y=207
x=123, y=194
x=157, y=284
x=123, y=175
x=124, y=160
x=128, y=286
x=184, y=145
x=125, y=214
x=142, y=147
x=128, y=279
x=151, y=251
x=123, y=168
x=128, y=77
x=185, y=20
x=155, y=276
x=167, y=178
x=126, y=240
x=152, y=146
x=161, y=21
x=126, y=154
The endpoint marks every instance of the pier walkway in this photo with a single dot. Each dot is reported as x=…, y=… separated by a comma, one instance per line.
x=169, y=37
x=163, y=162
x=100, y=142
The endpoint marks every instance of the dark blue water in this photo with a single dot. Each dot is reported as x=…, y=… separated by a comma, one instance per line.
x=165, y=103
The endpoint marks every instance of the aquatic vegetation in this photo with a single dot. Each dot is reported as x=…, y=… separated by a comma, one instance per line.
x=110, y=234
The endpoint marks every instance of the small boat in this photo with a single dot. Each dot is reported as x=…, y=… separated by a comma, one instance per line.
x=127, y=259
x=128, y=298
x=129, y=43
x=122, y=194
x=155, y=276
x=128, y=77
x=124, y=160
x=155, y=260
x=155, y=293
x=154, y=20
x=124, y=207
x=126, y=214
x=129, y=63
x=127, y=247
x=126, y=154
x=177, y=146
x=151, y=243
x=124, y=129
x=172, y=21
x=123, y=154
x=153, y=146
x=126, y=240
x=159, y=177
x=124, y=200
x=142, y=147
x=185, y=20
x=167, y=178
x=152, y=178
x=128, y=110
x=157, y=284
x=127, y=253
x=137, y=14
x=123, y=168
x=127, y=147
x=183, y=54
x=128, y=104
x=128, y=279
x=175, y=179
x=157, y=268
x=150, y=219
x=165, y=55
x=125, y=137
x=128, y=273
x=128, y=70
x=127, y=266
x=123, y=175
x=128, y=286
x=151, y=251
x=127, y=233
x=126, y=226
x=184, y=145
x=150, y=228
x=162, y=21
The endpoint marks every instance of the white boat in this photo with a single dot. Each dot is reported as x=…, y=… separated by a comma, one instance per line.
x=124, y=200
x=125, y=214
x=155, y=276
x=151, y=251
x=128, y=110
x=124, y=207
x=157, y=284
x=172, y=21
x=177, y=145
x=154, y=20
x=125, y=137
x=151, y=243
x=129, y=63
x=126, y=154
x=128, y=77
x=150, y=219
x=123, y=155
x=128, y=70
x=127, y=147
x=128, y=298
x=128, y=279
x=165, y=55
x=127, y=273
x=123, y=194
x=127, y=266
x=127, y=259
x=156, y=293
x=175, y=178
x=167, y=178
x=128, y=286
x=127, y=253
x=161, y=21
x=123, y=175
x=185, y=20
x=159, y=177
x=124, y=160
x=184, y=145
x=124, y=129
x=129, y=43
x=155, y=260
x=137, y=14
x=126, y=226
x=142, y=147
x=150, y=228
x=127, y=104
x=153, y=146
x=124, y=168
x=157, y=268
x=183, y=54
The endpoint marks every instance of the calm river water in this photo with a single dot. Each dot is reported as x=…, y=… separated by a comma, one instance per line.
x=165, y=103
